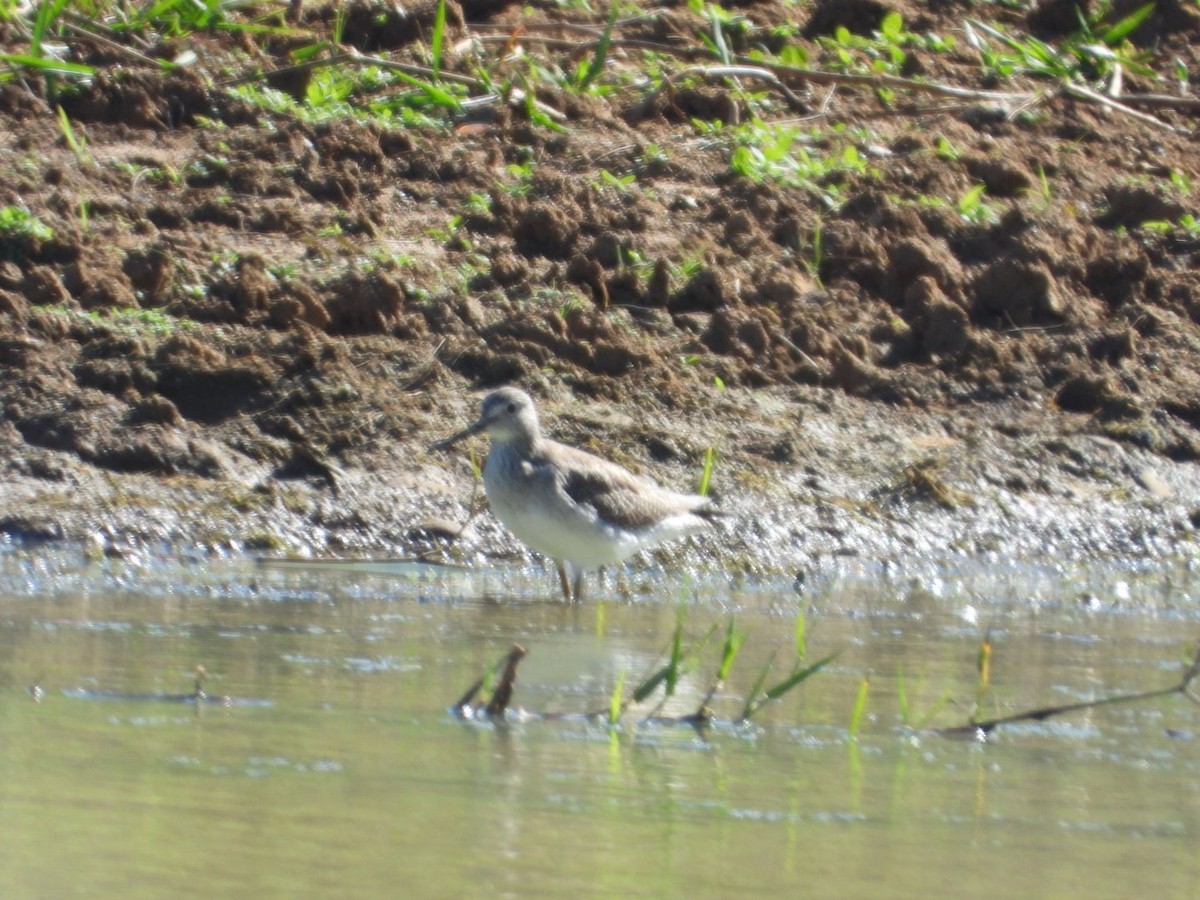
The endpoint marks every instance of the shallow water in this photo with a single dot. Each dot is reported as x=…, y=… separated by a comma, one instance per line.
x=341, y=773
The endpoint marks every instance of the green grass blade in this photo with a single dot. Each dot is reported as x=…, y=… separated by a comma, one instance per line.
x=668, y=675
x=1037, y=55
x=46, y=64
x=439, y=37
x=488, y=685
x=1127, y=26
x=801, y=636
x=860, y=706
x=798, y=676
x=614, y=702
x=733, y=643
x=78, y=145
x=650, y=685
x=972, y=198
x=437, y=95
x=185, y=8
x=675, y=665
x=710, y=462
x=754, y=697
x=47, y=15
x=600, y=56
x=718, y=38
x=983, y=665
x=1042, y=54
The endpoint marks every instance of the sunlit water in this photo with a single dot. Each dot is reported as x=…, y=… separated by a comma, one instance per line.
x=340, y=772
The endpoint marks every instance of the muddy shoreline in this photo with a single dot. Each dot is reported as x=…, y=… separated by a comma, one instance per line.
x=852, y=479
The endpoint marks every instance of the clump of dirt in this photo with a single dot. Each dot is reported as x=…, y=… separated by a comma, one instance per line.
x=243, y=292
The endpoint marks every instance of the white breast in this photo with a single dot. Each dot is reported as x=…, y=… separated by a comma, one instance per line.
x=528, y=499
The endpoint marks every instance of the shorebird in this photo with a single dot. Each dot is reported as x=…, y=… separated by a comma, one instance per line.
x=578, y=509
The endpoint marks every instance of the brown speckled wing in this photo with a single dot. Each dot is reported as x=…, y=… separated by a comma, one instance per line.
x=617, y=495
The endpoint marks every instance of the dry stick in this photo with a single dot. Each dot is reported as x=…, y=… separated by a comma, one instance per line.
x=1084, y=93
x=584, y=46
x=703, y=714
x=912, y=111
x=804, y=356
x=729, y=72
x=504, y=690
x=1077, y=90
x=1045, y=712
x=87, y=34
x=503, y=693
x=816, y=76
x=1162, y=100
x=464, y=702
x=581, y=27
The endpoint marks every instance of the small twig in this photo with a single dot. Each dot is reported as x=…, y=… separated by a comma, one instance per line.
x=816, y=76
x=504, y=690
x=586, y=46
x=915, y=111
x=424, y=372
x=1037, y=715
x=93, y=26
x=580, y=27
x=1117, y=83
x=1165, y=100
x=621, y=148
x=1086, y=93
x=827, y=102
x=87, y=34
x=804, y=356
x=715, y=72
x=501, y=696
x=464, y=702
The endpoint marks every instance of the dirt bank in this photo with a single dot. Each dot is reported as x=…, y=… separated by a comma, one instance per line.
x=950, y=306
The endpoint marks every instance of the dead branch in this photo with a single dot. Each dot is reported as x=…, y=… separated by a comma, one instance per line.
x=581, y=47
x=504, y=690
x=502, y=694
x=716, y=72
x=983, y=729
x=817, y=76
x=1086, y=93
x=1163, y=100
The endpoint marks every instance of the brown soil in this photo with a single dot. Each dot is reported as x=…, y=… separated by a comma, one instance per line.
x=246, y=328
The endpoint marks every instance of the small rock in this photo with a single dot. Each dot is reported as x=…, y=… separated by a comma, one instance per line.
x=1153, y=482
x=435, y=529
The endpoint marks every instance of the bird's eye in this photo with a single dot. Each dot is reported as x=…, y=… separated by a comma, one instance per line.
x=512, y=407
